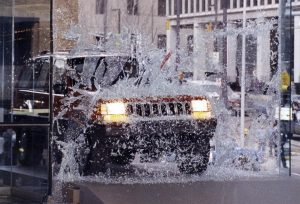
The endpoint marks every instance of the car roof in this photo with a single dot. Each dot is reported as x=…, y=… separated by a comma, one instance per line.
x=67, y=55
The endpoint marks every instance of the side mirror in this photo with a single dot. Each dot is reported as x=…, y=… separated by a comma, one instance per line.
x=207, y=74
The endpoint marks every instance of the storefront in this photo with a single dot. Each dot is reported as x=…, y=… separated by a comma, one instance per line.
x=26, y=91
x=25, y=32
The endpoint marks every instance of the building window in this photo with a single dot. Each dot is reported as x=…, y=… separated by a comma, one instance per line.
x=248, y=3
x=197, y=6
x=192, y=6
x=241, y=3
x=254, y=2
x=234, y=4
x=162, y=7
x=262, y=2
x=203, y=6
x=186, y=5
x=190, y=44
x=269, y=1
x=175, y=7
x=162, y=42
x=132, y=7
x=100, y=6
x=170, y=7
x=209, y=5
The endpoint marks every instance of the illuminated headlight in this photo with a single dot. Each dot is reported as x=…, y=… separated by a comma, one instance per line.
x=113, y=109
x=201, y=109
x=114, y=112
x=200, y=105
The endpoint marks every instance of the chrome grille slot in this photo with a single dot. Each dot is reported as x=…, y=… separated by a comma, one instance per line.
x=155, y=109
x=172, y=108
x=129, y=109
x=188, y=110
x=163, y=107
x=180, y=110
x=139, y=110
x=147, y=110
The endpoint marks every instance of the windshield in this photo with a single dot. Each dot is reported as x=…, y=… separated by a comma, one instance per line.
x=106, y=71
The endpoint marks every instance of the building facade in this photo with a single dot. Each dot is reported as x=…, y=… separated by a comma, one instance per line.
x=199, y=17
x=114, y=16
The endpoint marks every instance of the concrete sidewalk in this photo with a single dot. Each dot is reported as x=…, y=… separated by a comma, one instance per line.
x=272, y=190
x=275, y=190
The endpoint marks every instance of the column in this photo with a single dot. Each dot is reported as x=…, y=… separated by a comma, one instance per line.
x=167, y=8
x=200, y=6
x=231, y=54
x=263, y=68
x=231, y=4
x=297, y=49
x=206, y=5
x=172, y=7
x=199, y=52
x=171, y=38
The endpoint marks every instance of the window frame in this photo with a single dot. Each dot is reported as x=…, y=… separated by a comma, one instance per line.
x=161, y=7
x=100, y=6
x=133, y=7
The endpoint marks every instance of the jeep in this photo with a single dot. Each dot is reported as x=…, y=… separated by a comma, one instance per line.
x=121, y=111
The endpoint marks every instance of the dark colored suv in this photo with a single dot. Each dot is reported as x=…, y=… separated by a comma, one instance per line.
x=92, y=99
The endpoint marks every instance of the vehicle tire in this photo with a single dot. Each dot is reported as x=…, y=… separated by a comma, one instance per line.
x=81, y=157
x=97, y=159
x=193, y=157
x=66, y=131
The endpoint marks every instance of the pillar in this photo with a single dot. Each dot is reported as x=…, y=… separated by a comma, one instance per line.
x=199, y=52
x=297, y=49
x=263, y=68
x=231, y=54
x=171, y=38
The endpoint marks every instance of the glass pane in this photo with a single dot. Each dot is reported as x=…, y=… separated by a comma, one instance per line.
x=30, y=160
x=6, y=61
x=24, y=95
x=25, y=85
x=288, y=96
x=124, y=104
x=7, y=147
x=138, y=100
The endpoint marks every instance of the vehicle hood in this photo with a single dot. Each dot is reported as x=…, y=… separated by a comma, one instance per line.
x=162, y=89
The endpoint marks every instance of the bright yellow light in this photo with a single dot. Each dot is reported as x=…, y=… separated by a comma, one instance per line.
x=201, y=115
x=115, y=118
x=113, y=109
x=200, y=105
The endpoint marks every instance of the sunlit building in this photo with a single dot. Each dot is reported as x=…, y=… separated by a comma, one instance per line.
x=197, y=17
x=99, y=18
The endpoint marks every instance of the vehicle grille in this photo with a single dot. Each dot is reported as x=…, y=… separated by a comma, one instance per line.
x=159, y=109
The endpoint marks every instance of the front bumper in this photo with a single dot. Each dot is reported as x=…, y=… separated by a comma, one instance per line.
x=161, y=129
